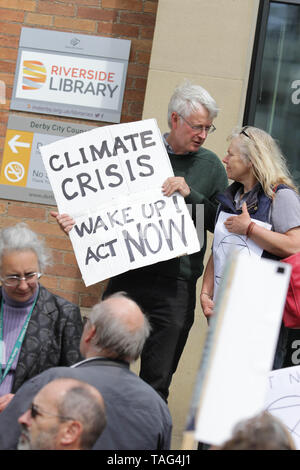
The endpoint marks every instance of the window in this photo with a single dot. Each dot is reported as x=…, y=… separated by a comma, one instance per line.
x=273, y=101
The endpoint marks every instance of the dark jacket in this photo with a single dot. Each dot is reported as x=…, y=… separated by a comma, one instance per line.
x=52, y=337
x=137, y=417
x=258, y=205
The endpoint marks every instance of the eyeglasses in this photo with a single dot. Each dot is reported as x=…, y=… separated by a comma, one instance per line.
x=14, y=281
x=36, y=411
x=207, y=129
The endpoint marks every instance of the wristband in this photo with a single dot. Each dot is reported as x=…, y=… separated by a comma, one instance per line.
x=249, y=229
x=205, y=293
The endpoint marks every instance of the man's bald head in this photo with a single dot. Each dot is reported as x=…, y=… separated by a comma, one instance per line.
x=126, y=311
x=60, y=390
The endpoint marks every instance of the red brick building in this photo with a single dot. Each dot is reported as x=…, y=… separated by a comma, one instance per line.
x=124, y=19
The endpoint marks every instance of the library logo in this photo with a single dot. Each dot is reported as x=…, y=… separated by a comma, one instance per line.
x=34, y=75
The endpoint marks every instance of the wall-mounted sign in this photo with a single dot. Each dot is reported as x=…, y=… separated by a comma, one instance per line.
x=70, y=75
x=23, y=176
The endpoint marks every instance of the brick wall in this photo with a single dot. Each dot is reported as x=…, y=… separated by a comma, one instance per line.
x=125, y=19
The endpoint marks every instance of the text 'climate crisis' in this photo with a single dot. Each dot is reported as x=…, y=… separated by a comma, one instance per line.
x=110, y=176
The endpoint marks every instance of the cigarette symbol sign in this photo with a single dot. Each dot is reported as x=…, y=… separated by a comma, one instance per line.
x=16, y=158
x=14, y=172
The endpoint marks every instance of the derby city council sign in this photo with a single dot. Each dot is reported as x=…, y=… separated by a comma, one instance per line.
x=70, y=75
x=23, y=176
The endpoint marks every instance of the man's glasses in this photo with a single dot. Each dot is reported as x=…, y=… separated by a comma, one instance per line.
x=36, y=411
x=14, y=281
x=207, y=129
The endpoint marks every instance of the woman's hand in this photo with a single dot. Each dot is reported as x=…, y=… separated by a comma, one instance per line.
x=64, y=221
x=206, y=296
x=4, y=400
x=175, y=183
x=239, y=223
x=207, y=304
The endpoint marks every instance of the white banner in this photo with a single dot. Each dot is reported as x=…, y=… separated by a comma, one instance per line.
x=109, y=180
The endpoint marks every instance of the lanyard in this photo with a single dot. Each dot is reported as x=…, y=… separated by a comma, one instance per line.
x=17, y=345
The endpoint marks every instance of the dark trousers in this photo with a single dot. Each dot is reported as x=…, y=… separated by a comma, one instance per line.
x=169, y=305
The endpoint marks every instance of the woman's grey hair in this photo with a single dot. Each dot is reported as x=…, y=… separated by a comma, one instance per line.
x=82, y=405
x=20, y=237
x=261, y=432
x=187, y=98
x=114, y=333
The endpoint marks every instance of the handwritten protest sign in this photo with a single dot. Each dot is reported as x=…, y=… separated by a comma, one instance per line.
x=109, y=180
x=283, y=399
x=225, y=243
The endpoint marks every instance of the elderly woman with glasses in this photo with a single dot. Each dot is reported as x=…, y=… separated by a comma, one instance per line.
x=38, y=329
x=262, y=192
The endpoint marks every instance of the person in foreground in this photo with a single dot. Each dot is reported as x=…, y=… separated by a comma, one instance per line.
x=262, y=191
x=199, y=177
x=261, y=432
x=113, y=337
x=66, y=414
x=38, y=329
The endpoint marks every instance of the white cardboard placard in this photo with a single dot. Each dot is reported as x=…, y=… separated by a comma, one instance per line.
x=239, y=350
x=283, y=398
x=109, y=180
x=226, y=243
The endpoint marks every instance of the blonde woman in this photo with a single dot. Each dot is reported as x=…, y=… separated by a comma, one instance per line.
x=262, y=192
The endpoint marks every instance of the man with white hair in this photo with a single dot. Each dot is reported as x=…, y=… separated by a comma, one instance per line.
x=167, y=290
x=112, y=338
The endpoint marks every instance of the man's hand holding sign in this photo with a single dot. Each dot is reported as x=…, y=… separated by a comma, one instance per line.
x=65, y=222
